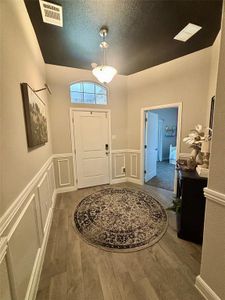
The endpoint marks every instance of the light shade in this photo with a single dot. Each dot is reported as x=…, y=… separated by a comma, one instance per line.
x=104, y=74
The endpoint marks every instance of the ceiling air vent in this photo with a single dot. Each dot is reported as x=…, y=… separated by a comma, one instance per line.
x=187, y=32
x=51, y=13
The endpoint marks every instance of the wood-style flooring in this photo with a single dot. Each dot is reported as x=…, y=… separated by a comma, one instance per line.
x=74, y=270
x=164, y=176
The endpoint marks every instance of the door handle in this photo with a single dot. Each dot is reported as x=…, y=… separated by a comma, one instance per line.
x=107, y=152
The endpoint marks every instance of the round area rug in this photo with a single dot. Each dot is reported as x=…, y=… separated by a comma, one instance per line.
x=120, y=219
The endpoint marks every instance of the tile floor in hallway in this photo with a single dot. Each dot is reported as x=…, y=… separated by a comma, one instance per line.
x=74, y=270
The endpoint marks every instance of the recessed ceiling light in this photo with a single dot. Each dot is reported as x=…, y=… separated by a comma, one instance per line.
x=187, y=32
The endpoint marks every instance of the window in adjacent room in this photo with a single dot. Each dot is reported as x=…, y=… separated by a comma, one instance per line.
x=85, y=92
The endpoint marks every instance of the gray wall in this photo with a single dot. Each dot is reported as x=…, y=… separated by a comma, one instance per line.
x=21, y=61
x=185, y=80
x=59, y=79
x=213, y=256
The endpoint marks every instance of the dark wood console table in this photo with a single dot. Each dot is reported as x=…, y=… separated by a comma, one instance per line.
x=191, y=219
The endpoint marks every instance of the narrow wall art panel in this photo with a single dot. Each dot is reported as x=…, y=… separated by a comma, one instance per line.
x=35, y=117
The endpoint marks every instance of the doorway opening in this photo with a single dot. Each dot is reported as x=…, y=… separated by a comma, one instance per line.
x=161, y=141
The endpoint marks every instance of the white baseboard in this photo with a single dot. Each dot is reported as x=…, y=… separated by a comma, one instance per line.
x=36, y=272
x=119, y=180
x=134, y=180
x=205, y=290
x=66, y=189
x=126, y=179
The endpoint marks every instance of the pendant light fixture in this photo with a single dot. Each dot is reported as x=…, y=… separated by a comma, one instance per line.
x=104, y=73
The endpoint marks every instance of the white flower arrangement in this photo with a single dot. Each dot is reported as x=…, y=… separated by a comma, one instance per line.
x=197, y=136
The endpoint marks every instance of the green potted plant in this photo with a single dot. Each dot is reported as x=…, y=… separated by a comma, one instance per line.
x=176, y=207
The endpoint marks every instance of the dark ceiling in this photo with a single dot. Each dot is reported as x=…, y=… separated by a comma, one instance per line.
x=140, y=32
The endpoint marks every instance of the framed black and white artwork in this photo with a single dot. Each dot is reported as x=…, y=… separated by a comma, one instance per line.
x=35, y=117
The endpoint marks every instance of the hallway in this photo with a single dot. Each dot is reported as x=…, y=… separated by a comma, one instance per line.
x=75, y=270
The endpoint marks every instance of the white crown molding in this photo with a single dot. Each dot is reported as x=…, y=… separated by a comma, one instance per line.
x=205, y=290
x=18, y=202
x=214, y=196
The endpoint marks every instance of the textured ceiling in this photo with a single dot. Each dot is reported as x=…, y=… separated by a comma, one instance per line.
x=140, y=32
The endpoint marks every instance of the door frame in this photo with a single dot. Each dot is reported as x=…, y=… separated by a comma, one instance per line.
x=72, y=138
x=142, y=134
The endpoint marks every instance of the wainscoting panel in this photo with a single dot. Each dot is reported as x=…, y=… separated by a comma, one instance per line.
x=23, y=244
x=64, y=172
x=119, y=165
x=44, y=199
x=25, y=226
x=133, y=165
x=64, y=175
x=130, y=159
x=24, y=230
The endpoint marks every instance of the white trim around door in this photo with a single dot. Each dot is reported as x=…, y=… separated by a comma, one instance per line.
x=142, y=134
x=72, y=136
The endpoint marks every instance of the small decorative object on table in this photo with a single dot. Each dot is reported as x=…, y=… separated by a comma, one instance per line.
x=203, y=170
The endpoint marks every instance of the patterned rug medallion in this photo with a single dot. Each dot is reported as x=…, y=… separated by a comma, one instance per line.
x=120, y=219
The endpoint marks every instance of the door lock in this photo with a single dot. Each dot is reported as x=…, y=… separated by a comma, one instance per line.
x=107, y=149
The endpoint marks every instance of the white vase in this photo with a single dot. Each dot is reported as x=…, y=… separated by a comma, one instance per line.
x=194, y=153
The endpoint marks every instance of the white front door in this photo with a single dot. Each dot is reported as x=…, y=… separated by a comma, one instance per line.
x=91, y=133
x=151, y=145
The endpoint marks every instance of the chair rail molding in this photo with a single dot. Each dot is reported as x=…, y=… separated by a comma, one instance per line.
x=59, y=155
x=3, y=248
x=214, y=196
x=125, y=151
x=11, y=212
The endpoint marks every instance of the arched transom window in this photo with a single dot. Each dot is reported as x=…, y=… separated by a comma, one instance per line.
x=88, y=93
